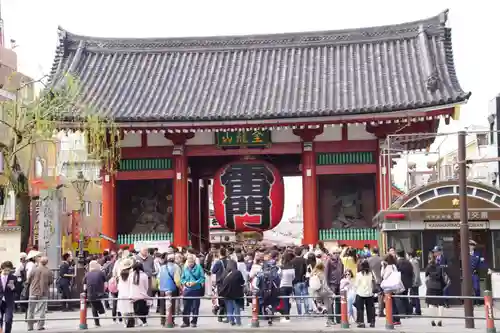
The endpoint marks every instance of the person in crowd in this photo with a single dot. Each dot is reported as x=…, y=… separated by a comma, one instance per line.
x=124, y=304
x=139, y=292
x=367, y=253
x=20, y=274
x=66, y=275
x=299, y=264
x=94, y=284
x=169, y=277
x=347, y=287
x=334, y=270
x=406, y=269
x=417, y=282
x=350, y=260
x=218, y=272
x=375, y=262
x=388, y=268
x=322, y=295
x=267, y=286
x=442, y=262
x=192, y=280
x=287, y=276
x=7, y=296
x=363, y=286
x=436, y=281
x=232, y=291
x=148, y=265
x=40, y=281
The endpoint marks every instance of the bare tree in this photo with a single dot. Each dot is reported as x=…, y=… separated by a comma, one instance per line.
x=25, y=124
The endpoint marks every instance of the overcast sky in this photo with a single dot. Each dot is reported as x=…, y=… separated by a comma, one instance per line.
x=476, y=28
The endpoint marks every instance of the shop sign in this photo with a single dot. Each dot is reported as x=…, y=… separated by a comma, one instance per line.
x=254, y=138
x=450, y=225
x=454, y=216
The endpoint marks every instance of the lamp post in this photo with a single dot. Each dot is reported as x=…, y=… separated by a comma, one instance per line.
x=80, y=185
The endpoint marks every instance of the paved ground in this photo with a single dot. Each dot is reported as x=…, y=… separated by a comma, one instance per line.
x=62, y=322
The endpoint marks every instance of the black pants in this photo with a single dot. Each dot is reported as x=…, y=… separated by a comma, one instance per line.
x=66, y=294
x=114, y=312
x=141, y=310
x=163, y=306
x=97, y=309
x=403, y=303
x=6, y=316
x=361, y=304
x=286, y=292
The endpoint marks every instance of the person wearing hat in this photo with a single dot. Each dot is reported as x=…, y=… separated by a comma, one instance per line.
x=124, y=305
x=441, y=262
x=477, y=263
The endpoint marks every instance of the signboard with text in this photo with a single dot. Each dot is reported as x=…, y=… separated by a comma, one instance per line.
x=255, y=138
x=451, y=225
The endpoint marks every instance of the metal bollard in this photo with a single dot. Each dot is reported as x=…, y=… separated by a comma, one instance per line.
x=488, y=307
x=255, y=311
x=169, y=305
x=389, y=325
x=344, y=318
x=83, y=312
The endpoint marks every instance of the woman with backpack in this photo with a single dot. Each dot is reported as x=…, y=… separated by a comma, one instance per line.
x=232, y=291
x=436, y=281
x=321, y=292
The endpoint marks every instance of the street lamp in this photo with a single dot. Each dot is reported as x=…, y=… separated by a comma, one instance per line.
x=80, y=185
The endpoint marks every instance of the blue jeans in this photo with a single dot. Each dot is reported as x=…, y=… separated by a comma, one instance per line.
x=415, y=302
x=299, y=291
x=351, y=298
x=233, y=312
x=191, y=306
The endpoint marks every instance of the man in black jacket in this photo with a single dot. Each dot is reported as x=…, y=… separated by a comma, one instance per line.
x=406, y=269
x=299, y=282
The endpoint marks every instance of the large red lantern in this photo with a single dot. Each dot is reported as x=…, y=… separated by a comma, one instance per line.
x=248, y=195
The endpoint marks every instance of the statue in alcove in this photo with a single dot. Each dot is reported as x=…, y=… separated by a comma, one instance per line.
x=150, y=219
x=348, y=212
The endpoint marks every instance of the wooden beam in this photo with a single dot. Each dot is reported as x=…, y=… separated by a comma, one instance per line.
x=145, y=174
x=345, y=169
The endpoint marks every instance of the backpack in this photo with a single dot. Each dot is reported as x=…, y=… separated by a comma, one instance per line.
x=268, y=282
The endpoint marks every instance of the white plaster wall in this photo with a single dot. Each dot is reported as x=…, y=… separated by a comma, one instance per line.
x=202, y=138
x=131, y=140
x=158, y=140
x=284, y=136
x=359, y=133
x=330, y=134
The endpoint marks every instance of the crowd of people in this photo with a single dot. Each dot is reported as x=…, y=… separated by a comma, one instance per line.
x=129, y=283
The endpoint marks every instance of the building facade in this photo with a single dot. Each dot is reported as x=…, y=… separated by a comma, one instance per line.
x=316, y=104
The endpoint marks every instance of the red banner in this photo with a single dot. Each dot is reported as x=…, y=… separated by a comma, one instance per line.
x=75, y=225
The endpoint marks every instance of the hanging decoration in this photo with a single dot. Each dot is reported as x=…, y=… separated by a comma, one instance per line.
x=248, y=195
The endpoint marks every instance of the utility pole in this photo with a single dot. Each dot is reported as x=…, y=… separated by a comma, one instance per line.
x=464, y=231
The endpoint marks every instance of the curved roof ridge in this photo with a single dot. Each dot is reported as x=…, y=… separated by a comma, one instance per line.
x=352, y=35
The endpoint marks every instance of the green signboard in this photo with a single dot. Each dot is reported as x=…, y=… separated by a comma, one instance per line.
x=254, y=138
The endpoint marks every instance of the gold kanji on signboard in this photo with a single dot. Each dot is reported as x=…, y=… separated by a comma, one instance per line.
x=257, y=136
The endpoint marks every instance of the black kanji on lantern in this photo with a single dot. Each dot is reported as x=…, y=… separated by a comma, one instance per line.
x=247, y=189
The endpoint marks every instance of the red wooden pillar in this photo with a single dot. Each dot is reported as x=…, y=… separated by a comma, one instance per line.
x=309, y=185
x=194, y=213
x=205, y=215
x=109, y=226
x=180, y=192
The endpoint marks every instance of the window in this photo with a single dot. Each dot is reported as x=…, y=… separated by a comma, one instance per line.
x=8, y=209
x=407, y=241
x=482, y=140
x=492, y=130
x=100, y=209
x=88, y=208
x=64, y=204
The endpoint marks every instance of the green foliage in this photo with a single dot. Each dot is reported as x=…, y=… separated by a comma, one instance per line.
x=30, y=123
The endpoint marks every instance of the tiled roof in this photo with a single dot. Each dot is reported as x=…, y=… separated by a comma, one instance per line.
x=308, y=74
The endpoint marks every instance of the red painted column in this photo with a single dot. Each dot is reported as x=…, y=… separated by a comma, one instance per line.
x=309, y=195
x=205, y=215
x=194, y=213
x=180, y=200
x=109, y=226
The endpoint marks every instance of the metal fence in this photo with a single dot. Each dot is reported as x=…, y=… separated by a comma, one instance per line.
x=338, y=310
